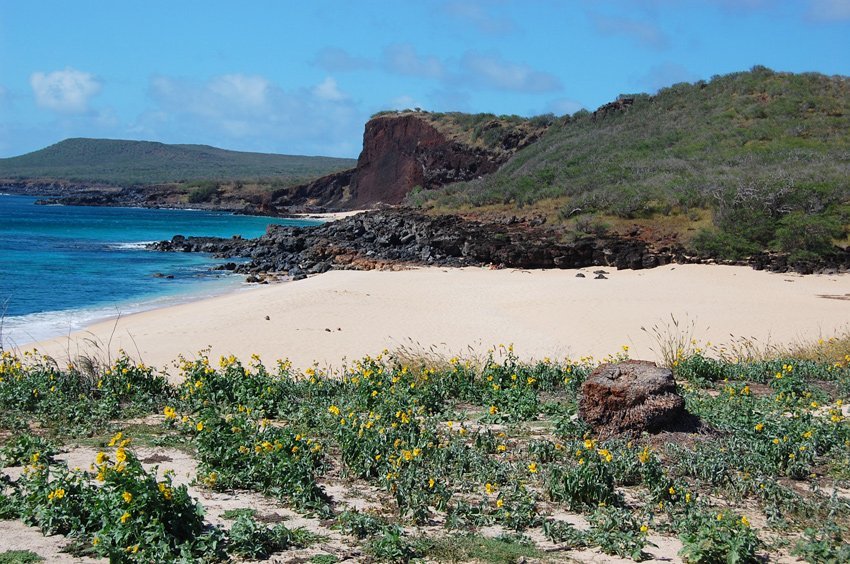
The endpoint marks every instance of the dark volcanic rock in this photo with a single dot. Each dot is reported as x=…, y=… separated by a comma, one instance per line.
x=393, y=237
x=630, y=398
x=383, y=239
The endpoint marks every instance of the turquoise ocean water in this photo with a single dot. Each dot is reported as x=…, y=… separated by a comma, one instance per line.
x=64, y=267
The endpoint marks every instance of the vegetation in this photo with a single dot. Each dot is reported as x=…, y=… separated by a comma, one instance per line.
x=120, y=162
x=496, y=133
x=762, y=154
x=457, y=444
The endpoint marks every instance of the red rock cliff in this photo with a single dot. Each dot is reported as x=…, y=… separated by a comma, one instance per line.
x=401, y=151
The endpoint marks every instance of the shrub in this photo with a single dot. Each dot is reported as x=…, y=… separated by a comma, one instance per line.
x=800, y=233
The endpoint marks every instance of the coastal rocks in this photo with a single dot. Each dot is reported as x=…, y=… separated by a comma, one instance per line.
x=389, y=238
x=629, y=398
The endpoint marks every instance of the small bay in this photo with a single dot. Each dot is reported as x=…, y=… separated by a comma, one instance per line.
x=63, y=267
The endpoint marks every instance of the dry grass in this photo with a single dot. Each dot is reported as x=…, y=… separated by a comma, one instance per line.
x=674, y=340
x=419, y=358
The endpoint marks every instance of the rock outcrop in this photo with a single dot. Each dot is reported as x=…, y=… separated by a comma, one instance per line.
x=409, y=149
x=399, y=237
x=629, y=398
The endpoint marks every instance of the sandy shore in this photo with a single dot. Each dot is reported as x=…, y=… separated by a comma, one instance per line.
x=348, y=314
x=328, y=216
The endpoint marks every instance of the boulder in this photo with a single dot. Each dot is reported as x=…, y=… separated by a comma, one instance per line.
x=629, y=398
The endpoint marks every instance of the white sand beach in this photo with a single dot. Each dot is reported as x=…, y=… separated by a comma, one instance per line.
x=348, y=314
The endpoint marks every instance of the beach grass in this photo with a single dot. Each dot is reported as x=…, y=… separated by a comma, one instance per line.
x=410, y=455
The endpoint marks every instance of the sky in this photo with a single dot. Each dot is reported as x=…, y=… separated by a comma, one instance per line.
x=304, y=77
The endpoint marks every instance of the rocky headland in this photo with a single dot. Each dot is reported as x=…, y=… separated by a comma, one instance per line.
x=398, y=238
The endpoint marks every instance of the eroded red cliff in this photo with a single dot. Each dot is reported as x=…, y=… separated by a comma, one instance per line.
x=405, y=150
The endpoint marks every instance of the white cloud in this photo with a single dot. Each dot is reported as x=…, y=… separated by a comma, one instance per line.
x=65, y=91
x=334, y=59
x=404, y=102
x=663, y=75
x=563, y=106
x=245, y=90
x=830, y=10
x=479, y=15
x=328, y=90
x=252, y=113
x=403, y=59
x=493, y=71
x=645, y=33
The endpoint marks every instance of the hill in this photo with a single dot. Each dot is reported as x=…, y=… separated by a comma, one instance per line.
x=120, y=162
x=745, y=161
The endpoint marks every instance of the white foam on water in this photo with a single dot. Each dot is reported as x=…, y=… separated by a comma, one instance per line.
x=21, y=330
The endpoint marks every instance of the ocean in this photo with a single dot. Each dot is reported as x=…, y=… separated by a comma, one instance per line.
x=64, y=267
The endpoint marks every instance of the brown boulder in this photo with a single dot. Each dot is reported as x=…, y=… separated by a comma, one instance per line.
x=629, y=398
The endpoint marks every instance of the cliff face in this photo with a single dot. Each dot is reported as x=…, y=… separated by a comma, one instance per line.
x=402, y=151
x=406, y=151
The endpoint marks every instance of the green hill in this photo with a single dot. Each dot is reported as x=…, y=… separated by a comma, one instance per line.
x=756, y=159
x=143, y=162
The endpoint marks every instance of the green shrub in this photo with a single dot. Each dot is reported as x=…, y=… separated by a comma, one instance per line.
x=723, y=245
x=800, y=233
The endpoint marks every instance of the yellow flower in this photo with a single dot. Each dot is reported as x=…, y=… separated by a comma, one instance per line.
x=95, y=541
x=719, y=516
x=493, y=410
x=532, y=468
x=431, y=483
x=644, y=528
x=759, y=427
x=100, y=458
x=499, y=503
x=116, y=438
x=169, y=413
x=127, y=496
x=644, y=455
x=125, y=517
x=120, y=454
x=672, y=490
x=167, y=492
x=333, y=410
x=501, y=448
x=588, y=444
x=687, y=497
x=200, y=426
x=488, y=487
x=744, y=521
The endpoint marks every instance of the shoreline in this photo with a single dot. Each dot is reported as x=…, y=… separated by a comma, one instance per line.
x=341, y=316
x=75, y=320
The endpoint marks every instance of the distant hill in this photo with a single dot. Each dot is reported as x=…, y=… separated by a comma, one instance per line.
x=121, y=162
x=745, y=161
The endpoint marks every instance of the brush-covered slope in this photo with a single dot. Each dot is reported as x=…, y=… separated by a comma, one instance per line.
x=112, y=161
x=766, y=153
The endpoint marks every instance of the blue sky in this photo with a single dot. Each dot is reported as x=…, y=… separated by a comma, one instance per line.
x=303, y=77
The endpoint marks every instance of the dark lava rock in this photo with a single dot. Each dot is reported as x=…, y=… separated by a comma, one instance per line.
x=630, y=398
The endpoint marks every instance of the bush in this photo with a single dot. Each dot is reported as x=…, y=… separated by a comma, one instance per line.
x=203, y=193
x=723, y=245
x=803, y=233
